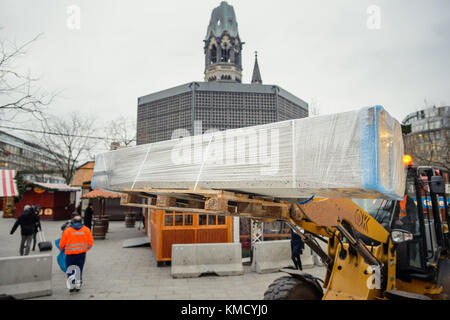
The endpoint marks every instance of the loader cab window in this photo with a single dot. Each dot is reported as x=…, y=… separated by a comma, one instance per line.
x=432, y=220
x=409, y=254
x=380, y=210
x=418, y=213
x=406, y=214
x=444, y=208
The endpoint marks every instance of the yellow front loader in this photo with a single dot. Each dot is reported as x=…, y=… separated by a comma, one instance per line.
x=376, y=249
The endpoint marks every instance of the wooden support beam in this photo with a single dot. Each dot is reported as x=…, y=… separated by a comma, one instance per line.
x=196, y=204
x=208, y=201
x=165, y=201
x=216, y=204
x=128, y=198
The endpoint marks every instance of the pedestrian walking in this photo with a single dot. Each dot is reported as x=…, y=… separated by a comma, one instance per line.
x=37, y=224
x=26, y=221
x=75, y=242
x=88, y=213
x=297, y=247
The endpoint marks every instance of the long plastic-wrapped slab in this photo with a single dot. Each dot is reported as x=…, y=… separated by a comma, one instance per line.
x=356, y=154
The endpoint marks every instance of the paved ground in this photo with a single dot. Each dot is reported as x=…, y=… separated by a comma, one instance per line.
x=113, y=272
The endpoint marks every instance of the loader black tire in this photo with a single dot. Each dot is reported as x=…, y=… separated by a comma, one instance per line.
x=291, y=288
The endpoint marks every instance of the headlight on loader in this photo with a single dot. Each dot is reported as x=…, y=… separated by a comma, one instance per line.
x=399, y=236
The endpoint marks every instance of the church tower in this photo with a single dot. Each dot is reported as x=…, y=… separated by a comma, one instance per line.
x=223, y=47
x=256, y=78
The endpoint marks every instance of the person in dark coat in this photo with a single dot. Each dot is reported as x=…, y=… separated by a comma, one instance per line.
x=88, y=213
x=26, y=221
x=297, y=246
x=37, y=224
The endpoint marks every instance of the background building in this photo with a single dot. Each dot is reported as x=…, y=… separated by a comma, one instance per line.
x=427, y=136
x=28, y=158
x=222, y=101
x=218, y=105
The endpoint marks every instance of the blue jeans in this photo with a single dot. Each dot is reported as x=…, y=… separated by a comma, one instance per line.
x=77, y=260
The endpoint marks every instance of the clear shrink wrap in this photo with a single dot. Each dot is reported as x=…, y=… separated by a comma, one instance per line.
x=356, y=154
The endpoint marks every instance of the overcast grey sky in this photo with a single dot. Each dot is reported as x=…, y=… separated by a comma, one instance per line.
x=320, y=51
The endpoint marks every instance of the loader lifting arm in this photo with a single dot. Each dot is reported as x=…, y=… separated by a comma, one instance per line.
x=323, y=217
x=345, y=216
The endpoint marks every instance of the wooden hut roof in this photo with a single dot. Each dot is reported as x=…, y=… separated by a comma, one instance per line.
x=99, y=193
x=83, y=174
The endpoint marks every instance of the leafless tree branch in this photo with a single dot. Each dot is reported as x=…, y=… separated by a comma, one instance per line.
x=18, y=92
x=121, y=130
x=430, y=155
x=72, y=142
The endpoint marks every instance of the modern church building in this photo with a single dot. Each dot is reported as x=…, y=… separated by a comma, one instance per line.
x=222, y=101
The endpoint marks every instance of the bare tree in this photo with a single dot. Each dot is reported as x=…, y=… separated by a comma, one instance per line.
x=18, y=92
x=428, y=151
x=121, y=130
x=69, y=141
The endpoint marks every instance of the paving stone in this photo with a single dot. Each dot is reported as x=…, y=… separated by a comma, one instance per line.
x=114, y=272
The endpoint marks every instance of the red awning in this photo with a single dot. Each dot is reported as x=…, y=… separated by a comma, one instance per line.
x=8, y=187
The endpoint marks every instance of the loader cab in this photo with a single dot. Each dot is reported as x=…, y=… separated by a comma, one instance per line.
x=424, y=213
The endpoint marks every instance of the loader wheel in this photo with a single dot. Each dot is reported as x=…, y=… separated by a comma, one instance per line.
x=290, y=288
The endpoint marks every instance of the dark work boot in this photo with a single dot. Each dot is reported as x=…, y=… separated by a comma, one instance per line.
x=78, y=287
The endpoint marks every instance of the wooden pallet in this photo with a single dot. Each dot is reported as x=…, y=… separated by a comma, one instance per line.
x=208, y=201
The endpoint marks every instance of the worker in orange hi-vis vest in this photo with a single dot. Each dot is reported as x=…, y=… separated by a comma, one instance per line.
x=75, y=242
x=406, y=215
x=402, y=212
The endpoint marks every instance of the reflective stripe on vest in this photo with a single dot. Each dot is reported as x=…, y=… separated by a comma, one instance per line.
x=77, y=244
x=85, y=247
x=403, y=207
x=76, y=250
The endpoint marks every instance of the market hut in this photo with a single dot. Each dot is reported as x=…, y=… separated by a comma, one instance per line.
x=170, y=227
x=83, y=179
x=100, y=221
x=57, y=201
x=8, y=190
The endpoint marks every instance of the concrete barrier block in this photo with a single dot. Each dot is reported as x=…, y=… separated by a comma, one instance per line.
x=316, y=259
x=25, y=277
x=271, y=256
x=307, y=258
x=192, y=260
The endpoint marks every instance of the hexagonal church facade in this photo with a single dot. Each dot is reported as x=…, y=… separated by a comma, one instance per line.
x=221, y=102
